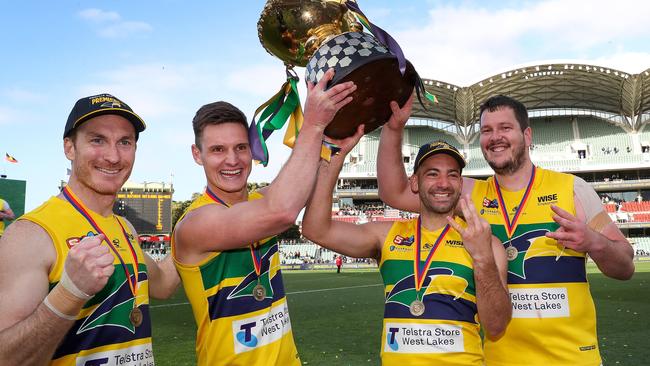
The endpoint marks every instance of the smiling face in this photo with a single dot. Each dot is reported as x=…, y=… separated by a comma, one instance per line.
x=504, y=145
x=438, y=182
x=102, y=152
x=226, y=158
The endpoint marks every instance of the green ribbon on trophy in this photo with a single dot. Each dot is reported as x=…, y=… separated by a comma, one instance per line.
x=300, y=34
x=283, y=105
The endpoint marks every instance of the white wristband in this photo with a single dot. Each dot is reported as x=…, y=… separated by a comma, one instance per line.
x=56, y=311
x=67, y=283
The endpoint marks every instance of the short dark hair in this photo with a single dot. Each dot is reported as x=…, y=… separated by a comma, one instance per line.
x=214, y=114
x=500, y=101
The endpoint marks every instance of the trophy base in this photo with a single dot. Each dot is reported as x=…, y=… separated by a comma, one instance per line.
x=378, y=83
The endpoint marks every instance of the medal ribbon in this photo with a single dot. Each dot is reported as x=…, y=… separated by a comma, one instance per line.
x=511, y=226
x=78, y=205
x=420, y=272
x=257, y=258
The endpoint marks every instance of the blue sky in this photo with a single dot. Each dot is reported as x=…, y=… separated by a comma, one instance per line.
x=166, y=58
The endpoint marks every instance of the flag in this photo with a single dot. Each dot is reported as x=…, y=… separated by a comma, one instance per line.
x=10, y=158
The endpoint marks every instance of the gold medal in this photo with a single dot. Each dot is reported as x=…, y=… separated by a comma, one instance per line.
x=511, y=253
x=259, y=292
x=135, y=317
x=417, y=308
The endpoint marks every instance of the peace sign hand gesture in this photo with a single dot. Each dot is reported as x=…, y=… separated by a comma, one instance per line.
x=477, y=235
x=572, y=233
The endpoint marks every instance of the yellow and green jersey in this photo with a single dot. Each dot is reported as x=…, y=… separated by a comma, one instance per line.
x=102, y=333
x=233, y=327
x=448, y=331
x=2, y=222
x=554, y=317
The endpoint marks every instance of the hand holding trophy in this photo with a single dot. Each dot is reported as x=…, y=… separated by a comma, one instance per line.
x=324, y=35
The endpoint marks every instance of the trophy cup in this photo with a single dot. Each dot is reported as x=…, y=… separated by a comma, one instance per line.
x=324, y=34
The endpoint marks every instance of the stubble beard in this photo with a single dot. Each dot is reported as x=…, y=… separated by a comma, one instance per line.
x=510, y=166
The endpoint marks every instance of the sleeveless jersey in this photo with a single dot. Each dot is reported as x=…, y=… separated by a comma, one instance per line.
x=448, y=331
x=102, y=333
x=554, y=317
x=2, y=222
x=233, y=327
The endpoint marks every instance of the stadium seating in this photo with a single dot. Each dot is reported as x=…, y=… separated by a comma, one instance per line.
x=602, y=137
x=552, y=135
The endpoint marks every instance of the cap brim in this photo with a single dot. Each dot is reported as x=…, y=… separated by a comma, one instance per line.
x=454, y=154
x=135, y=120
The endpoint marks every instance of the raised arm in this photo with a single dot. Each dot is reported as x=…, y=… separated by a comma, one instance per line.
x=394, y=188
x=490, y=270
x=359, y=241
x=592, y=231
x=215, y=228
x=33, y=322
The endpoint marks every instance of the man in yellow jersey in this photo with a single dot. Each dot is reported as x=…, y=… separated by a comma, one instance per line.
x=549, y=223
x=5, y=214
x=224, y=245
x=75, y=284
x=443, y=277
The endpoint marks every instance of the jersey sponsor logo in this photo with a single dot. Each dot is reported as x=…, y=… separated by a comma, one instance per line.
x=403, y=249
x=261, y=330
x=70, y=242
x=490, y=203
x=140, y=355
x=552, y=302
x=454, y=243
x=245, y=336
x=114, y=310
x=400, y=240
x=547, y=199
x=423, y=338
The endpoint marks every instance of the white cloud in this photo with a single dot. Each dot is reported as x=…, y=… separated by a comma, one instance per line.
x=461, y=44
x=6, y=115
x=17, y=95
x=109, y=24
x=632, y=62
x=99, y=16
x=125, y=29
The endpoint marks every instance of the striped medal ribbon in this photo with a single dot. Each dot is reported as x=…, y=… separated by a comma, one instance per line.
x=511, y=225
x=417, y=306
x=135, y=316
x=259, y=292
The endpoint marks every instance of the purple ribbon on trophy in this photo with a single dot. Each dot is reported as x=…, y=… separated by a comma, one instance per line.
x=380, y=34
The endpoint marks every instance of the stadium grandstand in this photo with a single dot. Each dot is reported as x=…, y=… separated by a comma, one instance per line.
x=591, y=121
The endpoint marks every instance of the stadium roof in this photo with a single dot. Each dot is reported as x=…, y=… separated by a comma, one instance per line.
x=555, y=86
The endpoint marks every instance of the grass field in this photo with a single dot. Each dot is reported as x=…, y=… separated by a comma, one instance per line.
x=336, y=319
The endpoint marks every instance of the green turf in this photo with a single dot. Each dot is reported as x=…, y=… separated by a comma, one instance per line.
x=336, y=319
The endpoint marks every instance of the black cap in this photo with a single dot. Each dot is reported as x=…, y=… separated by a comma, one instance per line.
x=438, y=147
x=97, y=105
